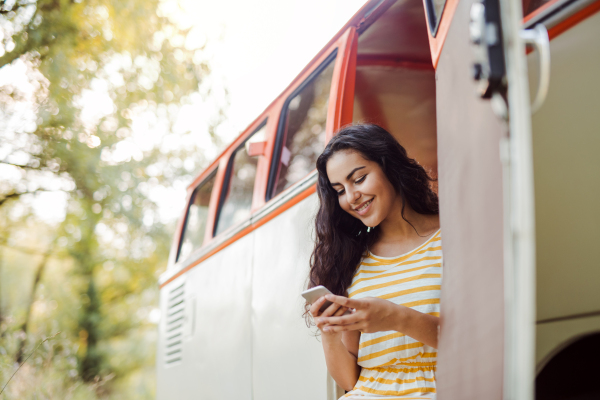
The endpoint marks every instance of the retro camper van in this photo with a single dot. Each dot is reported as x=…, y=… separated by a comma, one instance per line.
x=498, y=99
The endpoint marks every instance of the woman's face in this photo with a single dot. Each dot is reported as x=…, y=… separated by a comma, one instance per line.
x=363, y=189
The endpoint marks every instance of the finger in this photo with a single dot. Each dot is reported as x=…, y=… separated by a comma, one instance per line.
x=342, y=320
x=343, y=301
x=320, y=325
x=315, y=308
x=340, y=311
x=331, y=310
x=342, y=328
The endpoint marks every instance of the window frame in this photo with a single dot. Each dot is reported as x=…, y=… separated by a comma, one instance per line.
x=214, y=172
x=431, y=17
x=227, y=179
x=539, y=12
x=437, y=37
x=332, y=57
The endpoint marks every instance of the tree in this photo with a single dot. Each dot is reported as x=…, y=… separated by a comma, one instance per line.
x=95, y=69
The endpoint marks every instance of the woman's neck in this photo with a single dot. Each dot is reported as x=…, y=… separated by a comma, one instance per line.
x=395, y=228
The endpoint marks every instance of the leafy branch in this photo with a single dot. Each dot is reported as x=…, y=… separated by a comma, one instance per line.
x=16, y=195
x=20, y=166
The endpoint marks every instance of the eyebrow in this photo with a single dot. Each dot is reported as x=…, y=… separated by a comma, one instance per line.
x=349, y=175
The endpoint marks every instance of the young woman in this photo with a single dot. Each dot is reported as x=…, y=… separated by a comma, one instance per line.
x=378, y=249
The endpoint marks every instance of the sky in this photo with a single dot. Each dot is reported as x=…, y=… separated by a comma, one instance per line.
x=258, y=47
x=255, y=49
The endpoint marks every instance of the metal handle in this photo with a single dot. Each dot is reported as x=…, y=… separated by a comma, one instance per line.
x=538, y=37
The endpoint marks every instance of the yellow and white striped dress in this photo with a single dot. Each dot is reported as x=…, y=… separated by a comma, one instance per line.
x=396, y=366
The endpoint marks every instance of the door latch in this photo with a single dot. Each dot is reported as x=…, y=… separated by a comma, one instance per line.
x=486, y=38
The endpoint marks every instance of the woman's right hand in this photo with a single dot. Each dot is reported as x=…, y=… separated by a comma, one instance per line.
x=334, y=310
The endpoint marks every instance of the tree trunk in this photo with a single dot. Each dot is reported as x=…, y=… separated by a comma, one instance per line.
x=90, y=319
x=89, y=322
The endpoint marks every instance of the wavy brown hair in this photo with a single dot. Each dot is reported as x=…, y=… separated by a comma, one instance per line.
x=341, y=239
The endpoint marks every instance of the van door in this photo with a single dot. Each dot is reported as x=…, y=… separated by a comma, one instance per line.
x=478, y=195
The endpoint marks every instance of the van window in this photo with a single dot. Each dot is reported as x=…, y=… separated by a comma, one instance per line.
x=236, y=198
x=434, y=8
x=301, y=135
x=195, y=221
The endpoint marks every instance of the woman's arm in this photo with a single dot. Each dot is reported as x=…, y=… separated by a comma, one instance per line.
x=341, y=363
x=340, y=348
x=375, y=315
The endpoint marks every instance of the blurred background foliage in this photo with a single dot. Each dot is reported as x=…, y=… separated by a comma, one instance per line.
x=89, y=105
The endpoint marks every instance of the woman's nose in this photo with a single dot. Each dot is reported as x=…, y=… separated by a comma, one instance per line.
x=352, y=196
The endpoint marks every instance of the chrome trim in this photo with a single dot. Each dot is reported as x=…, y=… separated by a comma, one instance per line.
x=202, y=251
x=285, y=196
x=569, y=317
x=270, y=207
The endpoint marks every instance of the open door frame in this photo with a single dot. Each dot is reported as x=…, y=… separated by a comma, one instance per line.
x=487, y=337
x=471, y=345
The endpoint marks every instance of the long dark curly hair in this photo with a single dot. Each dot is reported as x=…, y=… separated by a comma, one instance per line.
x=341, y=239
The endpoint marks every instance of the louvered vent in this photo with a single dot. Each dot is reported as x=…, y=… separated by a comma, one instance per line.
x=174, y=326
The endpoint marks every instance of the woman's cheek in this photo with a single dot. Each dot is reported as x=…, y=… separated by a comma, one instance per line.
x=344, y=204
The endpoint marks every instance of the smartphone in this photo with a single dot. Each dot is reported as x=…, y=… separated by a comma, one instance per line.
x=314, y=294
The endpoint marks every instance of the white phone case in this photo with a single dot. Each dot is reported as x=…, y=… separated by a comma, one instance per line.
x=314, y=294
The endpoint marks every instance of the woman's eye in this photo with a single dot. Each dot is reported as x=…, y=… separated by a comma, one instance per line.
x=340, y=192
x=361, y=179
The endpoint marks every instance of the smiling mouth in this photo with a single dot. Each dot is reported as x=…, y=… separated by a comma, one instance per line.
x=363, y=206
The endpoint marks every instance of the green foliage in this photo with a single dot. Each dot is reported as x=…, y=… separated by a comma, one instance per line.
x=94, y=70
x=48, y=374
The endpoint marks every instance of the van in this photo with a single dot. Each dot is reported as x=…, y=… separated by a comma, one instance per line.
x=497, y=100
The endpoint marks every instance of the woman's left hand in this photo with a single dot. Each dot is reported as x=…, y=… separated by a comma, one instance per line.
x=370, y=314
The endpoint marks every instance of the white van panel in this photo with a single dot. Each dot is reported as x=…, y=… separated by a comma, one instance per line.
x=288, y=361
x=216, y=361
x=247, y=338
x=566, y=148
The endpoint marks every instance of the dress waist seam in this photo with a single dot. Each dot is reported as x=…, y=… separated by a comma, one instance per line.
x=403, y=368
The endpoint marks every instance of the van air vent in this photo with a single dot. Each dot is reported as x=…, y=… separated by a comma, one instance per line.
x=175, y=317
